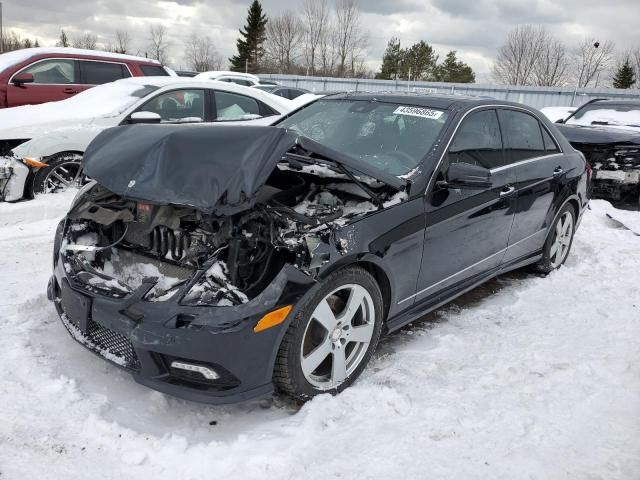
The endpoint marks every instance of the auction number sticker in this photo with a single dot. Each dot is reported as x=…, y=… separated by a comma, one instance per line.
x=418, y=112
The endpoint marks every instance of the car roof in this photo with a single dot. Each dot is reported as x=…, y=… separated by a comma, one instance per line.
x=439, y=101
x=225, y=73
x=18, y=56
x=613, y=101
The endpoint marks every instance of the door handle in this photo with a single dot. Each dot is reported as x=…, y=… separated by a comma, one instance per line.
x=506, y=191
x=69, y=90
x=557, y=171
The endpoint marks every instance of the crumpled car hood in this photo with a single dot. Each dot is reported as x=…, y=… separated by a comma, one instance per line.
x=211, y=168
x=598, y=134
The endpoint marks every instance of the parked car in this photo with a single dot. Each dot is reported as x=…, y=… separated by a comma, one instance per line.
x=37, y=75
x=286, y=92
x=47, y=152
x=216, y=262
x=557, y=113
x=607, y=132
x=244, y=79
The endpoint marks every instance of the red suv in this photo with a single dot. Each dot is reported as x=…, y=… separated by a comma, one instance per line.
x=38, y=75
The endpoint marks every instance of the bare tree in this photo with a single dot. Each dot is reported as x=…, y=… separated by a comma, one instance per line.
x=591, y=59
x=284, y=35
x=315, y=14
x=517, y=58
x=551, y=67
x=87, y=40
x=327, y=48
x=202, y=54
x=121, y=42
x=158, y=43
x=348, y=32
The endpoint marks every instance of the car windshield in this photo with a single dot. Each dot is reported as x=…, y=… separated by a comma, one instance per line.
x=389, y=136
x=623, y=115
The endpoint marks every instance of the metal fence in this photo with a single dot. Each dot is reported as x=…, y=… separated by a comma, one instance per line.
x=537, y=97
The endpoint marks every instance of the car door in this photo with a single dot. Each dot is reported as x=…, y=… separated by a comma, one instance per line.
x=53, y=79
x=538, y=165
x=467, y=230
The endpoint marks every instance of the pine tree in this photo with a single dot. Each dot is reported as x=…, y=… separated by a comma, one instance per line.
x=251, y=41
x=625, y=76
x=419, y=62
x=63, y=40
x=454, y=70
x=391, y=60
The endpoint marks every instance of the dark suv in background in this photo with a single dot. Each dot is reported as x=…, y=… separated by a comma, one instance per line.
x=38, y=75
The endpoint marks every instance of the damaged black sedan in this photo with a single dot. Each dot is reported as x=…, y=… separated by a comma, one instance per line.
x=216, y=263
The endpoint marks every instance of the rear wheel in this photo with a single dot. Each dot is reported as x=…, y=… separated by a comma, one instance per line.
x=332, y=337
x=63, y=170
x=559, y=241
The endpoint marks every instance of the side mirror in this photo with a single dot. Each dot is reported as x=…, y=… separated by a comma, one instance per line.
x=145, y=117
x=465, y=175
x=21, y=79
x=560, y=120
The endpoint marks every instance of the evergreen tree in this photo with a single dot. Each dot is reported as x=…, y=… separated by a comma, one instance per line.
x=391, y=60
x=454, y=70
x=251, y=41
x=625, y=76
x=419, y=61
x=63, y=39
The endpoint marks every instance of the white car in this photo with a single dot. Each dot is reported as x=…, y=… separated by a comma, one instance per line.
x=52, y=137
x=244, y=79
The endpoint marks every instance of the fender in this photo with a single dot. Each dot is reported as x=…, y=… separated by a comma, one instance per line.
x=43, y=146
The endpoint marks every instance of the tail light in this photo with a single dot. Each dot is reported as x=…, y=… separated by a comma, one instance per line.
x=589, y=169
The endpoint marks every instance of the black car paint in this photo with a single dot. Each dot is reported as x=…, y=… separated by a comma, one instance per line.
x=451, y=238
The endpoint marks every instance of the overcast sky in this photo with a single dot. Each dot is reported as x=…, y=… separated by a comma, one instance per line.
x=475, y=28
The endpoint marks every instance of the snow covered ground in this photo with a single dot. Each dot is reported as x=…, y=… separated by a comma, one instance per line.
x=524, y=378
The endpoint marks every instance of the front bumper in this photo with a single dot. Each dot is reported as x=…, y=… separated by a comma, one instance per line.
x=145, y=338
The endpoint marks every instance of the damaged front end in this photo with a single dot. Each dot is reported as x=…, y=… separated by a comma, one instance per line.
x=616, y=172
x=155, y=257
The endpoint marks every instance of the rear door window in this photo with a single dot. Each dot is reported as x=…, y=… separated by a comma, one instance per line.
x=522, y=136
x=231, y=106
x=97, y=73
x=53, y=72
x=478, y=141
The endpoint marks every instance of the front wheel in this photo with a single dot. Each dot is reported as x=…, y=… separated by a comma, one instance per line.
x=559, y=241
x=332, y=337
x=63, y=171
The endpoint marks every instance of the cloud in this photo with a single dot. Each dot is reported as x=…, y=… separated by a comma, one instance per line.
x=474, y=29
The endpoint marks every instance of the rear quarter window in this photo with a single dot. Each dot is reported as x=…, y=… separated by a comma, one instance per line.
x=153, y=71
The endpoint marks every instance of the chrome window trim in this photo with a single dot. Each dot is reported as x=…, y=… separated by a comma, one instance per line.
x=523, y=162
x=466, y=114
x=73, y=59
x=470, y=267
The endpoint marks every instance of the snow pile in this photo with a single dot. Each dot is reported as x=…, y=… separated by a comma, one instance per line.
x=526, y=377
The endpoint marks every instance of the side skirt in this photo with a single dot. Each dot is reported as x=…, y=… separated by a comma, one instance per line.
x=443, y=297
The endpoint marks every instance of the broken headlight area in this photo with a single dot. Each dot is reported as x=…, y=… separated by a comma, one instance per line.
x=114, y=246
x=616, y=172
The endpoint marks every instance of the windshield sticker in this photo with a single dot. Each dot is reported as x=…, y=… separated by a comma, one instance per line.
x=418, y=112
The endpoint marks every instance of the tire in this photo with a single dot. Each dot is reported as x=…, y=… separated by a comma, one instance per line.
x=66, y=166
x=308, y=341
x=555, y=252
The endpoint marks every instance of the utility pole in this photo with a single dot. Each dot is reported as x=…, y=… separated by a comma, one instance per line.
x=1, y=31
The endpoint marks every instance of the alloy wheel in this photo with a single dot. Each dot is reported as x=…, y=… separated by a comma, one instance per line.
x=337, y=336
x=562, y=240
x=63, y=176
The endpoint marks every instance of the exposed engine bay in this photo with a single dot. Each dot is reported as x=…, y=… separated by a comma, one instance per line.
x=616, y=171
x=111, y=244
